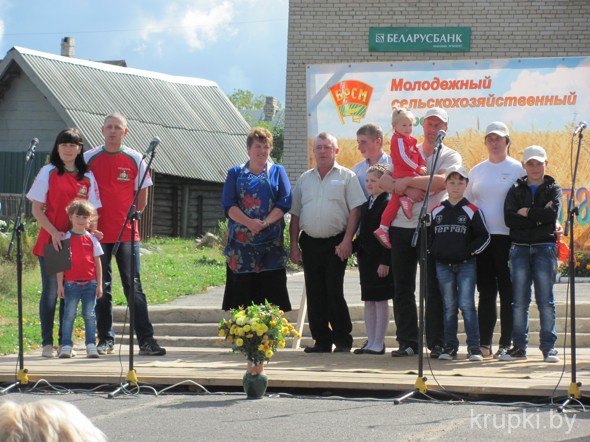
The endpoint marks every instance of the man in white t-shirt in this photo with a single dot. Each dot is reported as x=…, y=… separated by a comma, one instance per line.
x=405, y=257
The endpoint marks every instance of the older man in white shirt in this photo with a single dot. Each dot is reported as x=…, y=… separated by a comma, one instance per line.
x=325, y=213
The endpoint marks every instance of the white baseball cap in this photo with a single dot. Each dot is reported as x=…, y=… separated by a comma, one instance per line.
x=498, y=128
x=534, y=153
x=437, y=112
x=455, y=168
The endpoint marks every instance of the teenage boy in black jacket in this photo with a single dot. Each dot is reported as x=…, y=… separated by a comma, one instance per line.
x=530, y=211
x=458, y=233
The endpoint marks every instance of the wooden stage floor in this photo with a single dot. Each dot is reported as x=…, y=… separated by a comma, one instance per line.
x=218, y=368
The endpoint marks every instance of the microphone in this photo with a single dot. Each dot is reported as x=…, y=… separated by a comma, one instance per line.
x=439, y=138
x=31, y=150
x=152, y=146
x=580, y=127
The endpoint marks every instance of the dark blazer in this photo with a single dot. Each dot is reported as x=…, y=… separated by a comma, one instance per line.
x=371, y=253
x=365, y=242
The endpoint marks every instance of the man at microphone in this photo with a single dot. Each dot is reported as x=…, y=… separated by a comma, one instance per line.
x=118, y=171
x=401, y=231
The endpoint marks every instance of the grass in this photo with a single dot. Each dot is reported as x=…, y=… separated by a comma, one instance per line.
x=9, y=308
x=174, y=268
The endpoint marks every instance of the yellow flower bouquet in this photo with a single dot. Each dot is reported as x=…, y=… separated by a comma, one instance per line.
x=256, y=331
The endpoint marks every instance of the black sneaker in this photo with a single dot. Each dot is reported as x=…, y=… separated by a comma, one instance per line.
x=448, y=354
x=403, y=351
x=151, y=348
x=513, y=354
x=436, y=351
x=105, y=347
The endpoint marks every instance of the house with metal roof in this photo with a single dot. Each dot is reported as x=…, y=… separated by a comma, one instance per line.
x=202, y=134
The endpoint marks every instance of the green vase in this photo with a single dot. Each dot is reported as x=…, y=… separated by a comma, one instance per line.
x=255, y=385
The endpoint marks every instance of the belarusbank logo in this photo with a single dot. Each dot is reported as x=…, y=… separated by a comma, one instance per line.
x=419, y=39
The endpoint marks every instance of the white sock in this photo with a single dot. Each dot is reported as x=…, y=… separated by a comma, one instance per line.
x=385, y=229
x=381, y=324
x=370, y=321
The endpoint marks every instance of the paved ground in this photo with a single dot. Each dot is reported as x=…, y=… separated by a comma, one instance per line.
x=285, y=417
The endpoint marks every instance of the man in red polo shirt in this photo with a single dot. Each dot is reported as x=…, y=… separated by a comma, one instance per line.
x=118, y=170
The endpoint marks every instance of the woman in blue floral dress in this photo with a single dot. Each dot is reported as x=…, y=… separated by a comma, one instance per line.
x=256, y=196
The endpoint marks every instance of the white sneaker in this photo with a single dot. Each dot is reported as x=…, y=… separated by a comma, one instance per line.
x=551, y=356
x=47, y=351
x=66, y=352
x=475, y=357
x=91, y=351
x=73, y=353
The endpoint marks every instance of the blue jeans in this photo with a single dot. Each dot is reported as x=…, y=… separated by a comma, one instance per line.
x=457, y=286
x=73, y=293
x=536, y=264
x=104, y=306
x=47, y=304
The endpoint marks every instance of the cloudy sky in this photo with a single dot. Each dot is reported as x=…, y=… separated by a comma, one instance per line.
x=240, y=44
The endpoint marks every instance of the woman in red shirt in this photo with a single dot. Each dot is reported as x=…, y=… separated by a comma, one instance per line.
x=65, y=179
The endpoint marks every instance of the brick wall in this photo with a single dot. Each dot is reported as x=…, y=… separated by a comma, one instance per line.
x=336, y=31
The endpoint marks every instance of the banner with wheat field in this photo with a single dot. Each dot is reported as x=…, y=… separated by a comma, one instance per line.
x=542, y=100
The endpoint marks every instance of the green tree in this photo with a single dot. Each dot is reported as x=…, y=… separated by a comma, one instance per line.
x=278, y=144
x=246, y=100
x=277, y=139
x=243, y=99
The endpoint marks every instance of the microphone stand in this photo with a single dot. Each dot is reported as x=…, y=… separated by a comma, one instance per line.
x=574, y=393
x=132, y=216
x=22, y=377
x=420, y=387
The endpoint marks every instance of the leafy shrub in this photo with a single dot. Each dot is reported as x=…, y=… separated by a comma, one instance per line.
x=222, y=233
x=28, y=237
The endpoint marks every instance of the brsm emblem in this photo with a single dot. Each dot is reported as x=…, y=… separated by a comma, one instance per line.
x=351, y=98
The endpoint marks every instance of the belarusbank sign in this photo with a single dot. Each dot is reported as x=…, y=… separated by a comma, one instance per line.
x=419, y=39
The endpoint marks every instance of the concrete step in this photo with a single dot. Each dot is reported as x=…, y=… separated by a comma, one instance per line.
x=358, y=328
x=197, y=326
x=174, y=314
x=582, y=340
x=205, y=335
x=183, y=314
